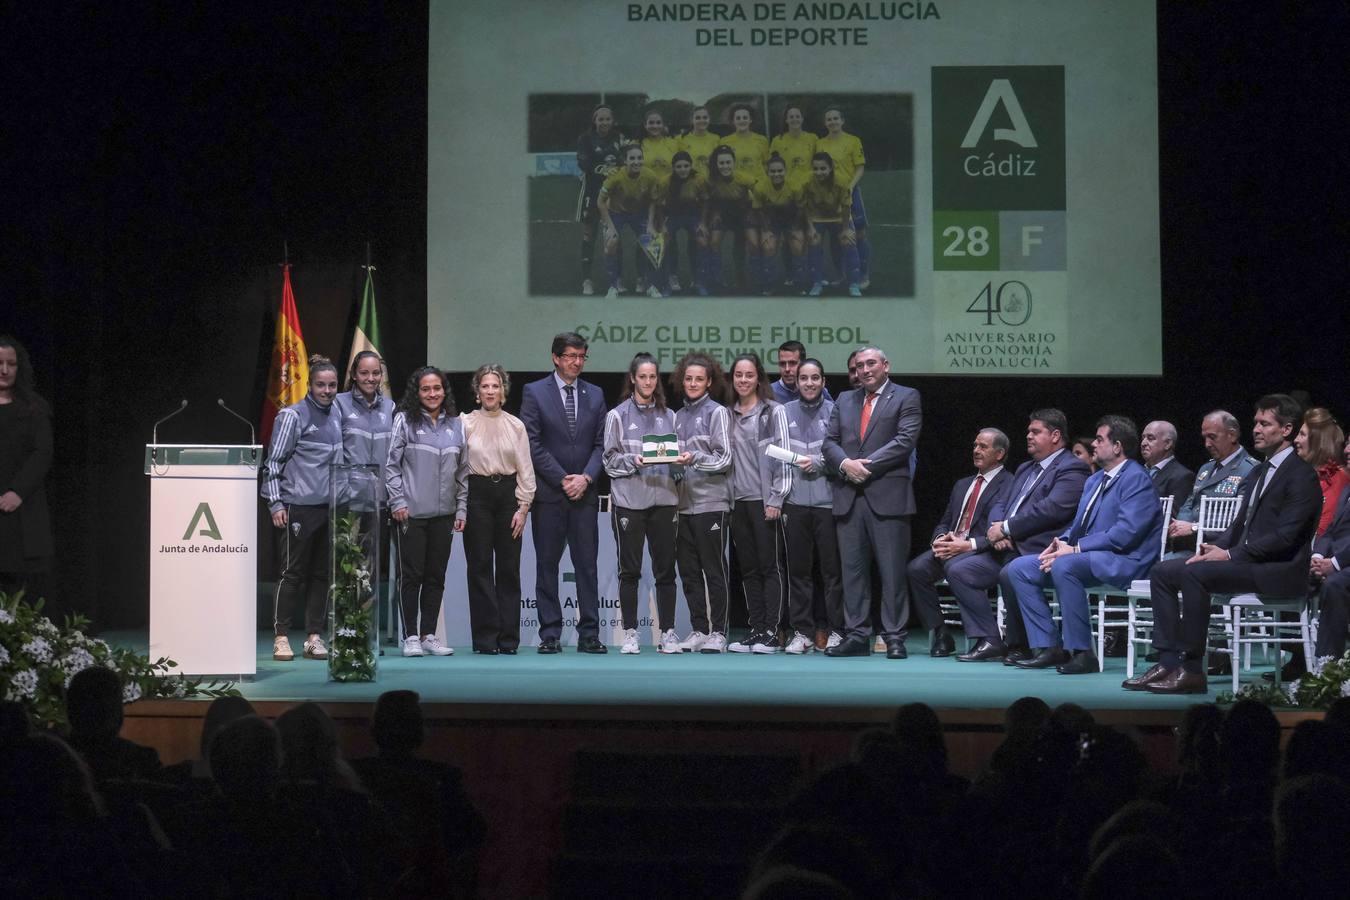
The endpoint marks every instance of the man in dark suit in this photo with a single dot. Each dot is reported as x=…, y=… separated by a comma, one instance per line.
x=1157, y=445
x=1331, y=569
x=964, y=522
x=1114, y=539
x=1037, y=506
x=565, y=419
x=1266, y=550
x=869, y=440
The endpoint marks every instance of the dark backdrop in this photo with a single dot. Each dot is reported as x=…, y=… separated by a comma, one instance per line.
x=158, y=155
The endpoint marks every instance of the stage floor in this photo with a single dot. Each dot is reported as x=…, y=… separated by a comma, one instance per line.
x=805, y=685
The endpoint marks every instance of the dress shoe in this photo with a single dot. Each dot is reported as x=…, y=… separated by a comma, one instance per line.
x=1219, y=666
x=1179, y=681
x=486, y=651
x=591, y=645
x=943, y=645
x=1047, y=658
x=1016, y=654
x=507, y=651
x=550, y=645
x=1291, y=671
x=851, y=646
x=1083, y=662
x=1141, y=682
x=895, y=649
x=984, y=650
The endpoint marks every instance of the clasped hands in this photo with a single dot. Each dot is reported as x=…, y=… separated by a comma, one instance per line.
x=1209, y=553
x=950, y=545
x=1056, y=549
x=574, y=486
x=855, y=470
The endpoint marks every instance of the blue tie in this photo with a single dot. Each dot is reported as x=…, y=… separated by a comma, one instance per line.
x=571, y=406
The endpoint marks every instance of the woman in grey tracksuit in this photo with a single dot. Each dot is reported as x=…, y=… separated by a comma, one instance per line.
x=704, y=476
x=759, y=486
x=644, y=499
x=425, y=476
x=808, y=517
x=306, y=440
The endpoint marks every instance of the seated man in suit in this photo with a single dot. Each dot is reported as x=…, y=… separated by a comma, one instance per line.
x=1113, y=540
x=1331, y=569
x=1265, y=550
x=960, y=532
x=1157, y=445
x=1222, y=476
x=1039, y=503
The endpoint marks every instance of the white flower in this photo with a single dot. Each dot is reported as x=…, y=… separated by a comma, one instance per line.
x=131, y=692
x=6, y=617
x=45, y=627
x=23, y=684
x=1291, y=691
x=77, y=660
x=4, y=656
x=346, y=632
x=38, y=649
x=1321, y=663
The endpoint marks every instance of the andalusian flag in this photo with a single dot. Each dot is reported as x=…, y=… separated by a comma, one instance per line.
x=288, y=378
x=367, y=336
x=660, y=447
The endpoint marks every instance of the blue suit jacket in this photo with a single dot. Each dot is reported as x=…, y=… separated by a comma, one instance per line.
x=1126, y=522
x=892, y=430
x=1050, y=506
x=555, y=452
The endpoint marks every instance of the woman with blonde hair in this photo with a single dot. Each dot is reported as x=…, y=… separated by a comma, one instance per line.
x=501, y=489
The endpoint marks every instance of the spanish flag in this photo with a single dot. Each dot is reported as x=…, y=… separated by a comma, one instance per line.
x=288, y=378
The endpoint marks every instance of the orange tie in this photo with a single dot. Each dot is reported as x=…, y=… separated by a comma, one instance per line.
x=866, y=414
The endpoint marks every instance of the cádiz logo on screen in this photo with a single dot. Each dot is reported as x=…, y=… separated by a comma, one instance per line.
x=998, y=137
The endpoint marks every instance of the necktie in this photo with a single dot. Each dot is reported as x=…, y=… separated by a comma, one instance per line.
x=1092, y=503
x=866, y=415
x=968, y=514
x=571, y=406
x=1038, y=471
x=1259, y=474
x=1155, y=473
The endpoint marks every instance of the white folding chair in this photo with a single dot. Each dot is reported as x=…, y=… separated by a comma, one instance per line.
x=1214, y=516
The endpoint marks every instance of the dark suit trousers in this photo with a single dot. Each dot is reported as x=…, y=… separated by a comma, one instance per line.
x=924, y=572
x=863, y=536
x=493, y=560
x=811, y=538
x=1335, y=605
x=1181, y=626
x=970, y=577
x=572, y=525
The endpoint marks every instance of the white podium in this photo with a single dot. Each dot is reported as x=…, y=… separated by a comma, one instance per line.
x=203, y=562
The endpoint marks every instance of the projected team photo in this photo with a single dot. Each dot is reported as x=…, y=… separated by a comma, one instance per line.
x=736, y=195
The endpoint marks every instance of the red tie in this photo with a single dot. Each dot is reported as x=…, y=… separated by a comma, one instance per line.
x=866, y=415
x=968, y=514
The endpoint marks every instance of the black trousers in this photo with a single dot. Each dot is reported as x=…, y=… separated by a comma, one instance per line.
x=493, y=557
x=811, y=544
x=303, y=551
x=757, y=553
x=423, y=552
x=1180, y=626
x=656, y=527
x=701, y=552
x=1335, y=604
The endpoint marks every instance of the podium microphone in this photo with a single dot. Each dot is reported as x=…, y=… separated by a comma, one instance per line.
x=252, y=435
x=154, y=431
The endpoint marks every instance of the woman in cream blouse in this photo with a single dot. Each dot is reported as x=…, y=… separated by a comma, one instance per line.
x=501, y=489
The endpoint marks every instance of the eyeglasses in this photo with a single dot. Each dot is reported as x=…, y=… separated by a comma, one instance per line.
x=575, y=357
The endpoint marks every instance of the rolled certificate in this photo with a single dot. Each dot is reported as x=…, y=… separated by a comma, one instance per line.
x=775, y=452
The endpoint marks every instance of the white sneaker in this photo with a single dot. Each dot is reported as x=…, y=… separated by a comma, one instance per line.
x=694, y=643
x=630, y=642
x=865, y=283
x=612, y=294
x=587, y=288
x=432, y=645
x=745, y=645
x=654, y=292
x=314, y=648
x=670, y=642
x=800, y=644
x=674, y=283
x=716, y=643
x=879, y=644
x=281, y=649
x=412, y=646
x=835, y=640
x=766, y=642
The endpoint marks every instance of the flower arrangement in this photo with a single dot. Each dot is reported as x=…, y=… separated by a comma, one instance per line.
x=38, y=659
x=351, y=655
x=1323, y=684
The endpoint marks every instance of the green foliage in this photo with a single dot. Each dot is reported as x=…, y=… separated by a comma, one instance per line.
x=351, y=656
x=1326, y=682
x=38, y=659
